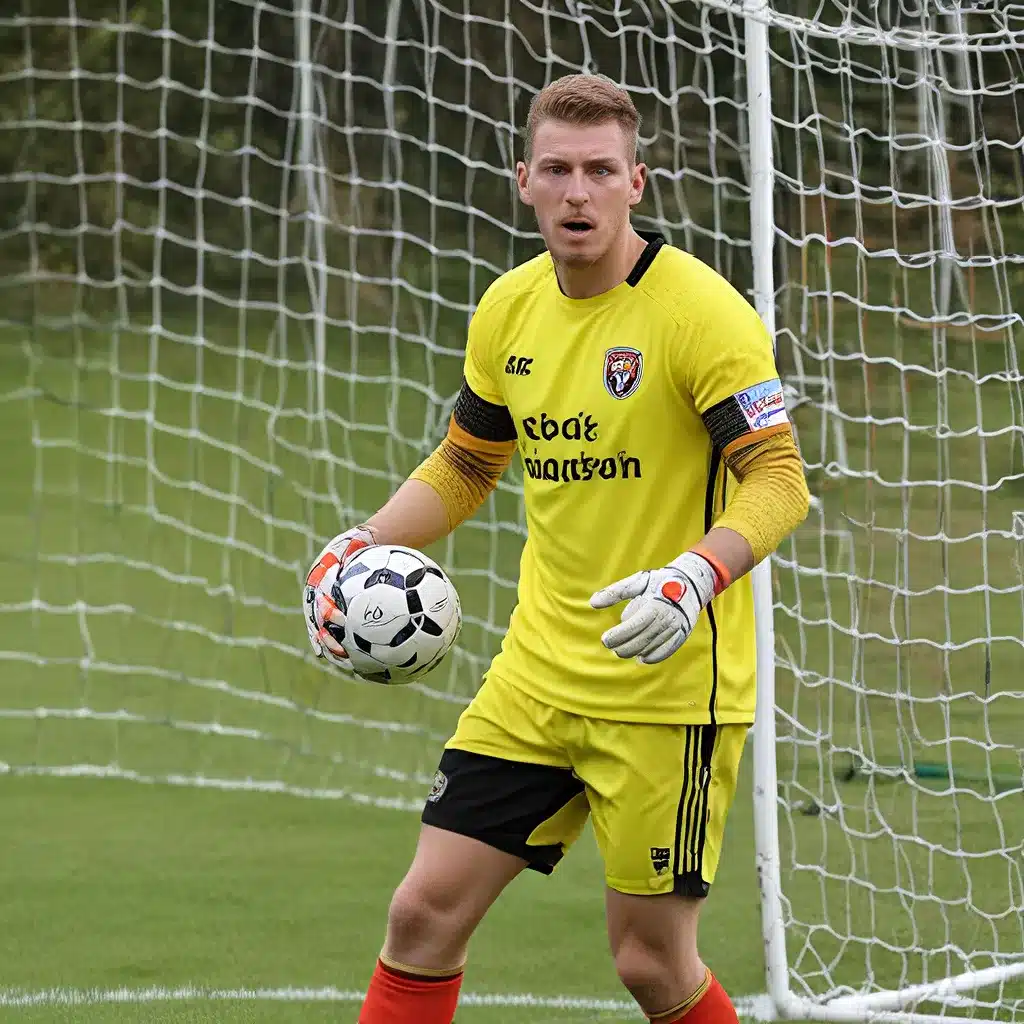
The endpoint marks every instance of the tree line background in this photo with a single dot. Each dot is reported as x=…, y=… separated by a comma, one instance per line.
x=154, y=140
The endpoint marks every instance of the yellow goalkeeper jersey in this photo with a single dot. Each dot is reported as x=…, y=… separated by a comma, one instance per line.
x=623, y=405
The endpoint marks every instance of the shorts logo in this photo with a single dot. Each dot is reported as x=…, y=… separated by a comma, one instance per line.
x=623, y=368
x=437, y=789
x=660, y=858
x=763, y=405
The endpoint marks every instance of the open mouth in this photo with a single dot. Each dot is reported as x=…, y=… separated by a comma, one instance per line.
x=578, y=227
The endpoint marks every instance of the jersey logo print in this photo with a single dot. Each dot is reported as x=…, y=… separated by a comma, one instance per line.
x=623, y=369
x=518, y=366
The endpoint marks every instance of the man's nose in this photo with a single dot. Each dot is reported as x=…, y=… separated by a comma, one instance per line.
x=577, y=190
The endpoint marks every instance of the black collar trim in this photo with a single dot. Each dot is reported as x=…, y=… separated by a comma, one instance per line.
x=643, y=264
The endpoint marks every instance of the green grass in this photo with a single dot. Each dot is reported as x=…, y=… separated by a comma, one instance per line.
x=152, y=538
x=110, y=884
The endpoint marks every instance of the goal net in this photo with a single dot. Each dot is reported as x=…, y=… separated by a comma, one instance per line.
x=239, y=247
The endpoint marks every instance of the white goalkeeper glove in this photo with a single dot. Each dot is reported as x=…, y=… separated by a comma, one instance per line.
x=337, y=552
x=662, y=610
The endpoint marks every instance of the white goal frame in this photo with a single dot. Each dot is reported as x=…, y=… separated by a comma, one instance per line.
x=896, y=1005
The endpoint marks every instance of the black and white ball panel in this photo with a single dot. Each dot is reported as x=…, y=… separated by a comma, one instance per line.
x=434, y=596
x=402, y=613
x=386, y=564
x=378, y=614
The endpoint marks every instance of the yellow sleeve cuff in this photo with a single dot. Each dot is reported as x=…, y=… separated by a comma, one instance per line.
x=772, y=498
x=463, y=470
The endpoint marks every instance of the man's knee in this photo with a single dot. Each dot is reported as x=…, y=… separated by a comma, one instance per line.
x=654, y=943
x=422, y=916
x=649, y=972
x=451, y=884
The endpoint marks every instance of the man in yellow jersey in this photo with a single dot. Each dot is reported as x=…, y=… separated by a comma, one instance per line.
x=641, y=392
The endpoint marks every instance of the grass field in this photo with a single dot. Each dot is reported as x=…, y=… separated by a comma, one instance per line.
x=153, y=529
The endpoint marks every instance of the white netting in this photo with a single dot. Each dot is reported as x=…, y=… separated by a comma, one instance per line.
x=233, y=299
x=900, y=176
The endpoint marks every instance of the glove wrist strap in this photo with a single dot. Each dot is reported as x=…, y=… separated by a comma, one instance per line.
x=371, y=530
x=722, y=576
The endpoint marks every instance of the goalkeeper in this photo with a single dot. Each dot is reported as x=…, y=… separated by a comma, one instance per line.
x=641, y=392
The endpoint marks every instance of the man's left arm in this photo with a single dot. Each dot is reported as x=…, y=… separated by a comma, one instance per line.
x=749, y=426
x=769, y=503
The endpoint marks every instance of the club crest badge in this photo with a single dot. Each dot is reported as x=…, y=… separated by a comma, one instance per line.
x=623, y=368
x=661, y=858
x=438, y=787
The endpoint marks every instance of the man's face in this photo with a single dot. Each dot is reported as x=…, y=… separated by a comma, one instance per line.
x=582, y=183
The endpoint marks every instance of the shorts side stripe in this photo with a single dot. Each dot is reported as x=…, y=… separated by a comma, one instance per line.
x=696, y=799
x=680, y=810
x=692, y=796
x=708, y=737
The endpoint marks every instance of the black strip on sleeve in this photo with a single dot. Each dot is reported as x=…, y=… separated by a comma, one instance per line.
x=483, y=419
x=725, y=422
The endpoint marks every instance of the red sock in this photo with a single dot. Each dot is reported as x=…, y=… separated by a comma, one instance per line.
x=713, y=1006
x=395, y=997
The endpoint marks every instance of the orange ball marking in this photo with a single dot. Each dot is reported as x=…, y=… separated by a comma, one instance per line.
x=673, y=590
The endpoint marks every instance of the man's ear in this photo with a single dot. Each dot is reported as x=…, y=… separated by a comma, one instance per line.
x=523, y=181
x=636, y=192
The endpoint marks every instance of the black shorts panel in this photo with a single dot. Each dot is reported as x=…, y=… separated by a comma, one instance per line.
x=500, y=802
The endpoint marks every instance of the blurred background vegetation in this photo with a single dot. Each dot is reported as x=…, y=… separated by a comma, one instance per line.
x=153, y=141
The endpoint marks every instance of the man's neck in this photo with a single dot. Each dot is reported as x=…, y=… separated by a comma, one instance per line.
x=611, y=270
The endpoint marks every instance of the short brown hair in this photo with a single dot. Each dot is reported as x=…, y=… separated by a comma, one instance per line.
x=584, y=100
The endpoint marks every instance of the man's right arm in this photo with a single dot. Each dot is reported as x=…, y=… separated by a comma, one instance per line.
x=454, y=480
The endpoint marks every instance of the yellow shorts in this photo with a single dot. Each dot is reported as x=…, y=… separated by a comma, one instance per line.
x=522, y=776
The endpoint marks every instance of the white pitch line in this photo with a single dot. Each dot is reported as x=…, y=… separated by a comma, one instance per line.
x=189, y=993
x=757, y=1007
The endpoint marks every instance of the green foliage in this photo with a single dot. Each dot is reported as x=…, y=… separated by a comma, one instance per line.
x=158, y=139
x=142, y=139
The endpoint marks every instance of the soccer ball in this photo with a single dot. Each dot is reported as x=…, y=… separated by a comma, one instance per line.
x=393, y=610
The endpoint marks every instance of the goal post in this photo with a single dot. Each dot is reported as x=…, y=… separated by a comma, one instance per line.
x=834, y=830
x=762, y=239
x=239, y=248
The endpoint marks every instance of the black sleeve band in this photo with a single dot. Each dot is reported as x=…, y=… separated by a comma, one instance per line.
x=482, y=419
x=725, y=422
